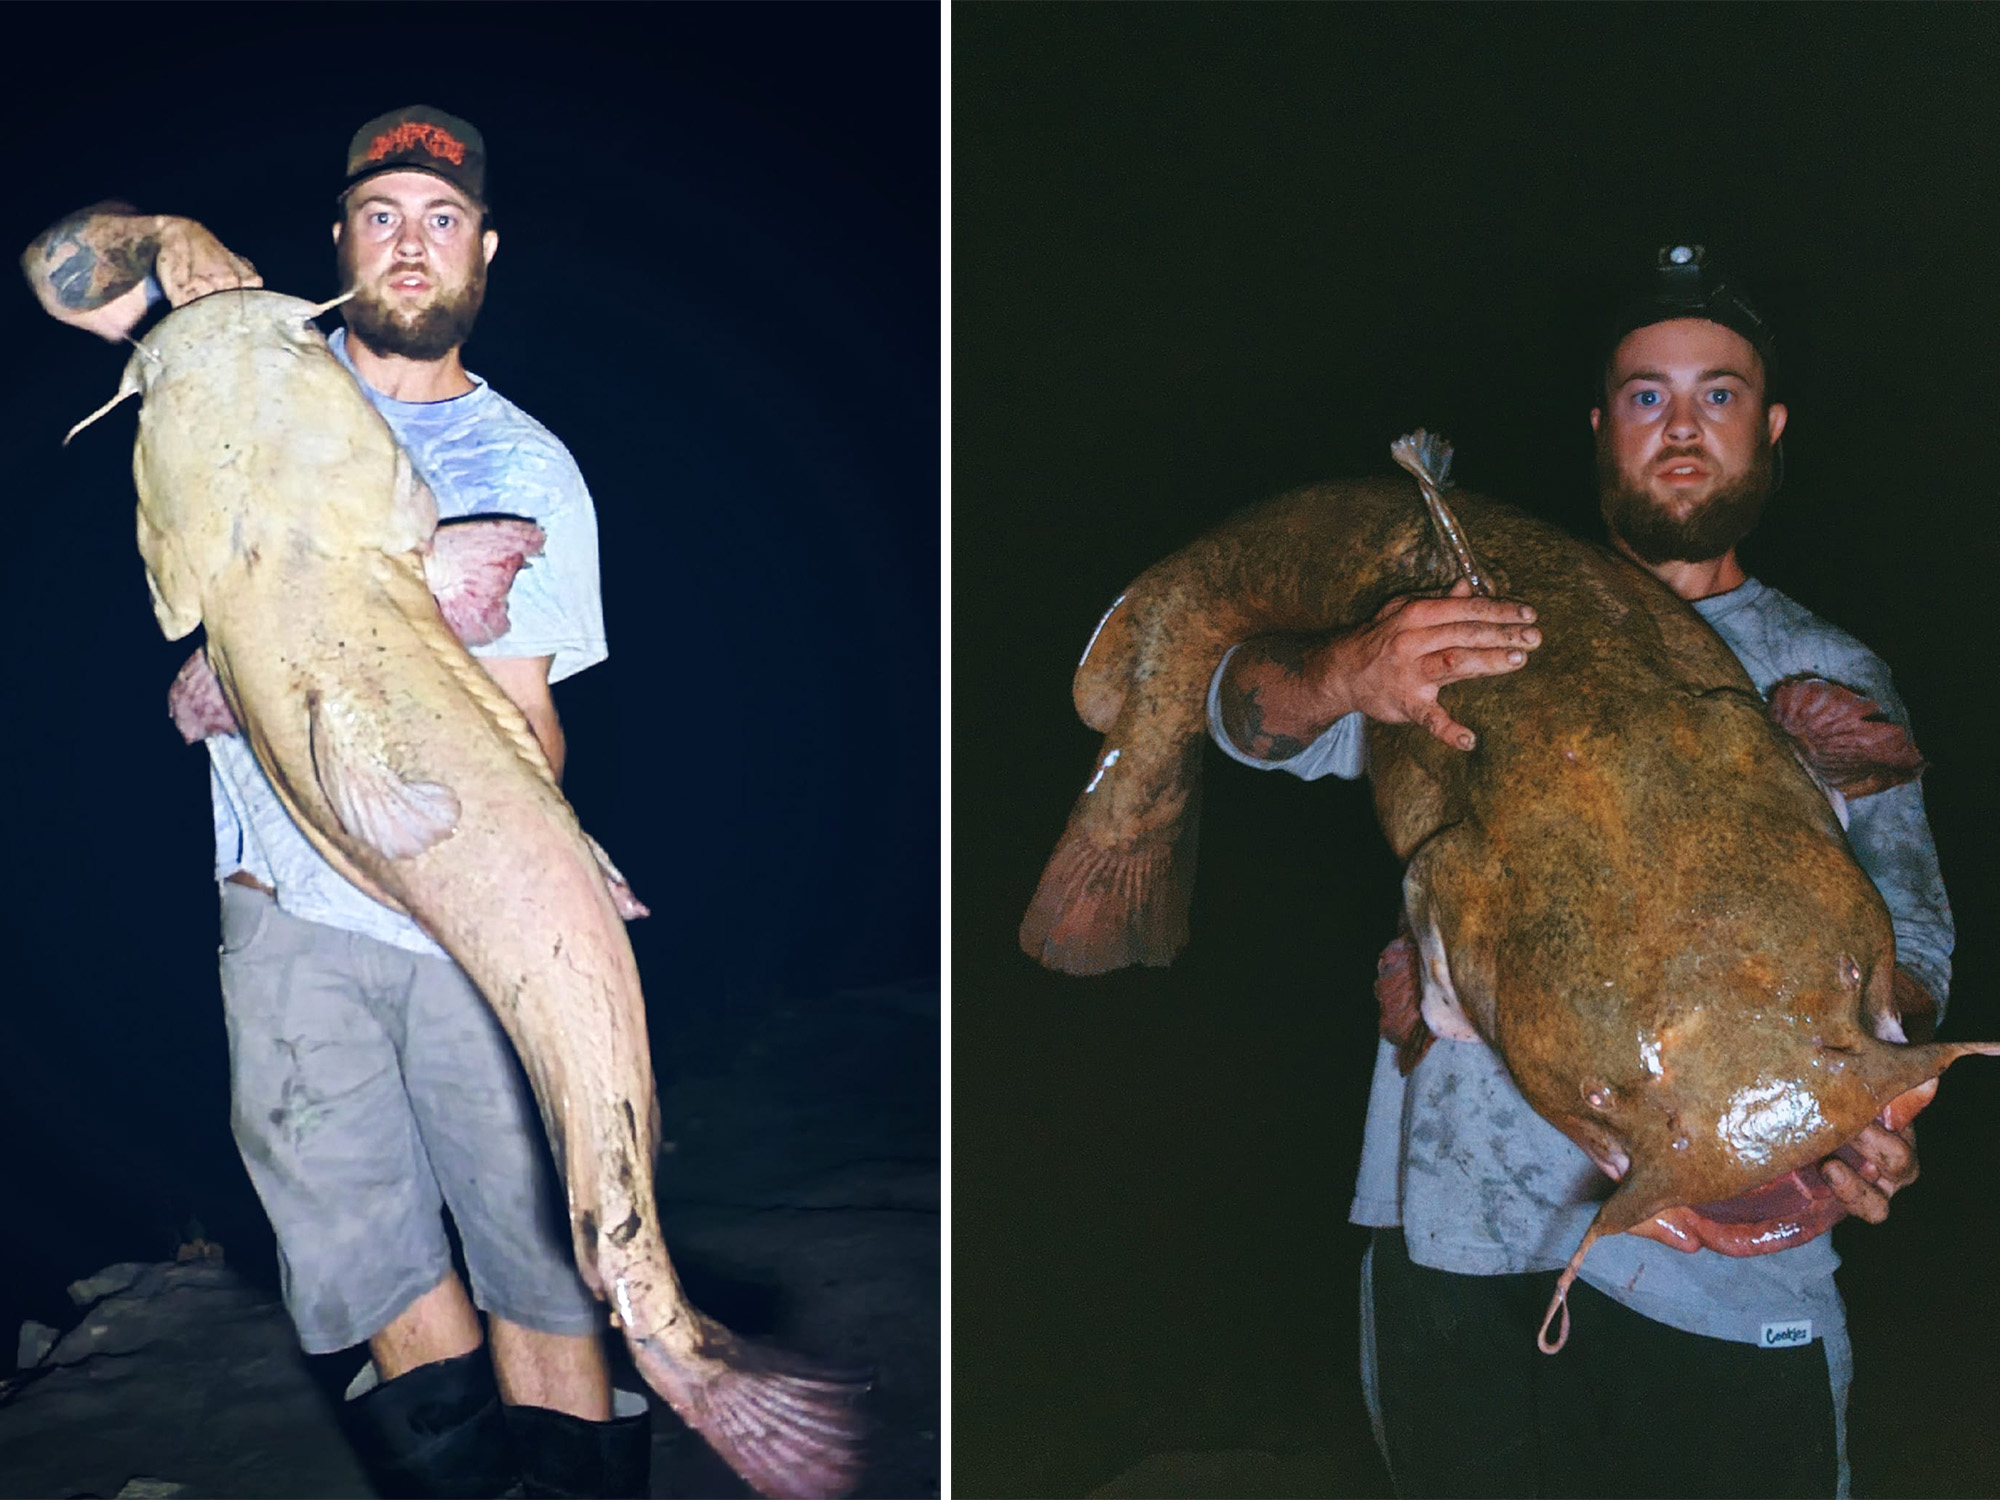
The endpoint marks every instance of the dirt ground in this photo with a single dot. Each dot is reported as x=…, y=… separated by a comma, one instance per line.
x=800, y=1195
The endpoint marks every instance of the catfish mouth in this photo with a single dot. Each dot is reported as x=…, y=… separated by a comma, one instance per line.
x=1789, y=1210
x=1786, y=1211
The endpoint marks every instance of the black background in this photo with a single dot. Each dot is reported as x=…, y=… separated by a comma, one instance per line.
x=1201, y=254
x=718, y=285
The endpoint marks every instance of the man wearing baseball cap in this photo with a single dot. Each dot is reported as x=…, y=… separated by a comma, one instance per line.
x=371, y=1082
x=1697, y=1364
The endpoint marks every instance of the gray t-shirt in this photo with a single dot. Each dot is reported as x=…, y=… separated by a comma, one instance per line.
x=481, y=455
x=1483, y=1185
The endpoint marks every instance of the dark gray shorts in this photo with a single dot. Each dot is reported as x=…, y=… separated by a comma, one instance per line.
x=370, y=1087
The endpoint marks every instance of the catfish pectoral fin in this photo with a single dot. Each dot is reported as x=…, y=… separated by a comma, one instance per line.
x=471, y=566
x=788, y=1426
x=1400, y=998
x=196, y=704
x=1099, y=908
x=1845, y=738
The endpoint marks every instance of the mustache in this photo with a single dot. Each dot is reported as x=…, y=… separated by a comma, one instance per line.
x=1692, y=450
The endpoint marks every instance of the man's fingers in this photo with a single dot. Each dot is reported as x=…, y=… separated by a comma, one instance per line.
x=1890, y=1157
x=1457, y=664
x=1445, y=727
x=1447, y=609
x=1861, y=1198
x=1476, y=634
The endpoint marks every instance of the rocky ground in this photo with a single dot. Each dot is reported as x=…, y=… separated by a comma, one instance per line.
x=800, y=1192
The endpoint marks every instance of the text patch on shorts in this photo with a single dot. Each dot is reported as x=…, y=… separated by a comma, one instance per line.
x=1787, y=1334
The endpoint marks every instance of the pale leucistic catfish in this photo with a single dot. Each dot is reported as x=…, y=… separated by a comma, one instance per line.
x=1634, y=888
x=276, y=509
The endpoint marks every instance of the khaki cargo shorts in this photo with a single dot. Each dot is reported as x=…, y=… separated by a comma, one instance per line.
x=371, y=1087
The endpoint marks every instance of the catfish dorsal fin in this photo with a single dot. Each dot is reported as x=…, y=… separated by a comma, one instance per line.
x=1428, y=457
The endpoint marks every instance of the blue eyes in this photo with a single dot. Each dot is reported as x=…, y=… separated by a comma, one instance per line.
x=1651, y=400
x=440, y=222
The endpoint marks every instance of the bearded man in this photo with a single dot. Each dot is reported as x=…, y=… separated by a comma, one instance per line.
x=1690, y=1371
x=371, y=1082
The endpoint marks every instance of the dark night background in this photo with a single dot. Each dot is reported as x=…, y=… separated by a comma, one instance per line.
x=718, y=284
x=1204, y=253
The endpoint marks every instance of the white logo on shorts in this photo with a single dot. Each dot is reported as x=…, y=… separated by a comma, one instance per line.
x=1784, y=1335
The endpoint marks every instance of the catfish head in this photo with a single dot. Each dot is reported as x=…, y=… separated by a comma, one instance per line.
x=254, y=440
x=1741, y=1033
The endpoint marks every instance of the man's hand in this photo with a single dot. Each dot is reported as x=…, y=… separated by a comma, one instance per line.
x=98, y=268
x=1888, y=1165
x=192, y=263
x=1280, y=693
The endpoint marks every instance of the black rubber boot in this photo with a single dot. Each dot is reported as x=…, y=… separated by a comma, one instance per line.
x=437, y=1430
x=566, y=1458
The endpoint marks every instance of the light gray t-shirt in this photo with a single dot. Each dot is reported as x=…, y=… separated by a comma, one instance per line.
x=481, y=455
x=1483, y=1185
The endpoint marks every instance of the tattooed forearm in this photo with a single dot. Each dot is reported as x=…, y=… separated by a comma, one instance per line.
x=94, y=256
x=1264, y=696
x=1243, y=721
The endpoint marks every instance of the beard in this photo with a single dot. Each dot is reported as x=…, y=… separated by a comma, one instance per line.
x=1705, y=532
x=428, y=332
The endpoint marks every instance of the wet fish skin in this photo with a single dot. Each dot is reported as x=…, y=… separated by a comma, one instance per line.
x=1633, y=889
x=276, y=509
x=1116, y=891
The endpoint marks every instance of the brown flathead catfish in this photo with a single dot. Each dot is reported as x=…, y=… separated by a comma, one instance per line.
x=276, y=509
x=1633, y=888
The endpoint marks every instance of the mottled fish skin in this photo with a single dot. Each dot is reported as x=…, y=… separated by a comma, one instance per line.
x=277, y=510
x=1639, y=896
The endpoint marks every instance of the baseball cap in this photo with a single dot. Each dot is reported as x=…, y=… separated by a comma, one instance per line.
x=1684, y=285
x=418, y=138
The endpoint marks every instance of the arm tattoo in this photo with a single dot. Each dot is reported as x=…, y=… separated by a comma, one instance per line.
x=1243, y=710
x=95, y=255
x=1285, y=652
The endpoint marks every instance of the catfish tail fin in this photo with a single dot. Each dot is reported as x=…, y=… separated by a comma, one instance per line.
x=788, y=1426
x=1100, y=908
